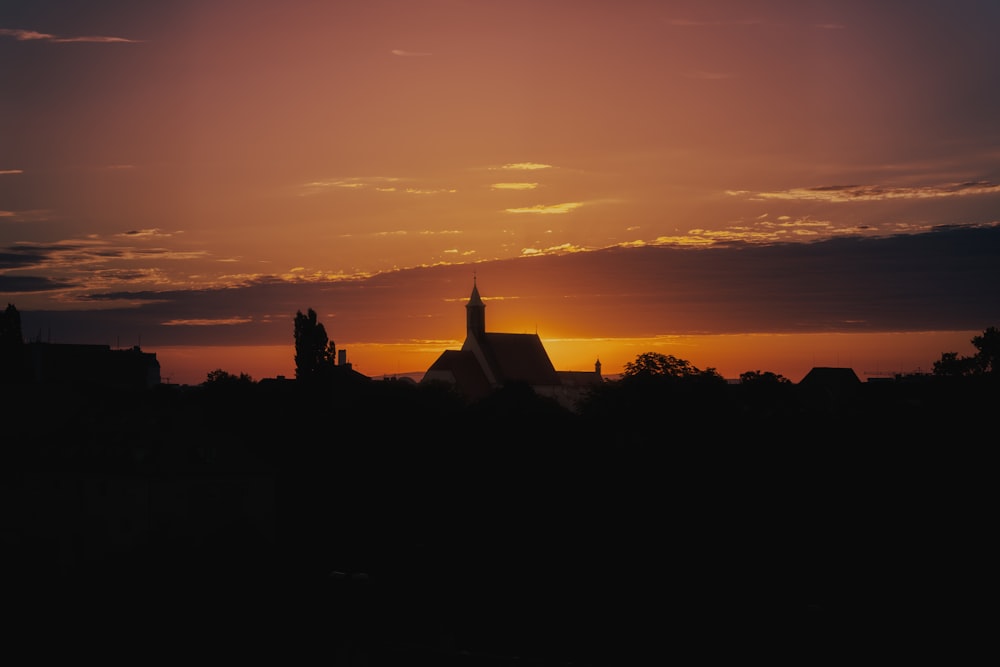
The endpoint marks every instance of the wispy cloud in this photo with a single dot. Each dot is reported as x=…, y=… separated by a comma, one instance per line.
x=32, y=35
x=314, y=187
x=561, y=249
x=20, y=257
x=514, y=186
x=524, y=166
x=763, y=231
x=402, y=232
x=853, y=193
x=430, y=191
x=388, y=184
x=146, y=233
x=301, y=274
x=377, y=183
x=91, y=263
x=226, y=321
x=8, y=172
x=409, y=54
x=547, y=209
x=29, y=284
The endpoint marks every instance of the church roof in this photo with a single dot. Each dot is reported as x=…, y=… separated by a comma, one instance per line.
x=462, y=368
x=518, y=358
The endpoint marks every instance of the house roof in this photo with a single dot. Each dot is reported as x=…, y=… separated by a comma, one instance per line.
x=579, y=378
x=833, y=378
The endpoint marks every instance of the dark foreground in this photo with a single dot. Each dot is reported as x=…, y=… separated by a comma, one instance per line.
x=391, y=526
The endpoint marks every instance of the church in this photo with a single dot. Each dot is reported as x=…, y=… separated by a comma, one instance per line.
x=490, y=360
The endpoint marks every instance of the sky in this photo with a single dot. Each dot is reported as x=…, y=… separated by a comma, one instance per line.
x=747, y=185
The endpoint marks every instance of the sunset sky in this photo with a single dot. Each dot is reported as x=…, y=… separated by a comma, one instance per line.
x=748, y=185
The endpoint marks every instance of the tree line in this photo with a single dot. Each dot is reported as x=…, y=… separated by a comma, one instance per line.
x=316, y=358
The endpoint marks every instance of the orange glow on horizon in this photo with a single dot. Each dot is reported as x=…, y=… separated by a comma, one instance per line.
x=790, y=355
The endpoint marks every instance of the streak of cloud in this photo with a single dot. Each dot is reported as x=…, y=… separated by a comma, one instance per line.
x=409, y=54
x=547, y=209
x=18, y=257
x=553, y=250
x=226, y=321
x=525, y=166
x=29, y=284
x=514, y=186
x=430, y=191
x=146, y=233
x=32, y=35
x=853, y=193
x=379, y=183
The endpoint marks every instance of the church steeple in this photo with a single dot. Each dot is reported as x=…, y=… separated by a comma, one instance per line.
x=475, y=313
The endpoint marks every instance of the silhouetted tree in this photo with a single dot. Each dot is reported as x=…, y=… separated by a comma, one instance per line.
x=986, y=361
x=654, y=388
x=315, y=353
x=219, y=377
x=13, y=361
x=988, y=355
x=951, y=365
x=767, y=377
x=654, y=365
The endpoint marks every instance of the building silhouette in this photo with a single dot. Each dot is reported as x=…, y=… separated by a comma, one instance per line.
x=490, y=360
x=92, y=365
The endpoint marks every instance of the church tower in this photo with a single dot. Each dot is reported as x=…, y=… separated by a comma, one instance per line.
x=475, y=314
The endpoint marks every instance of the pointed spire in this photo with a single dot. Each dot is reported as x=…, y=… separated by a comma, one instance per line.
x=475, y=312
x=474, y=299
